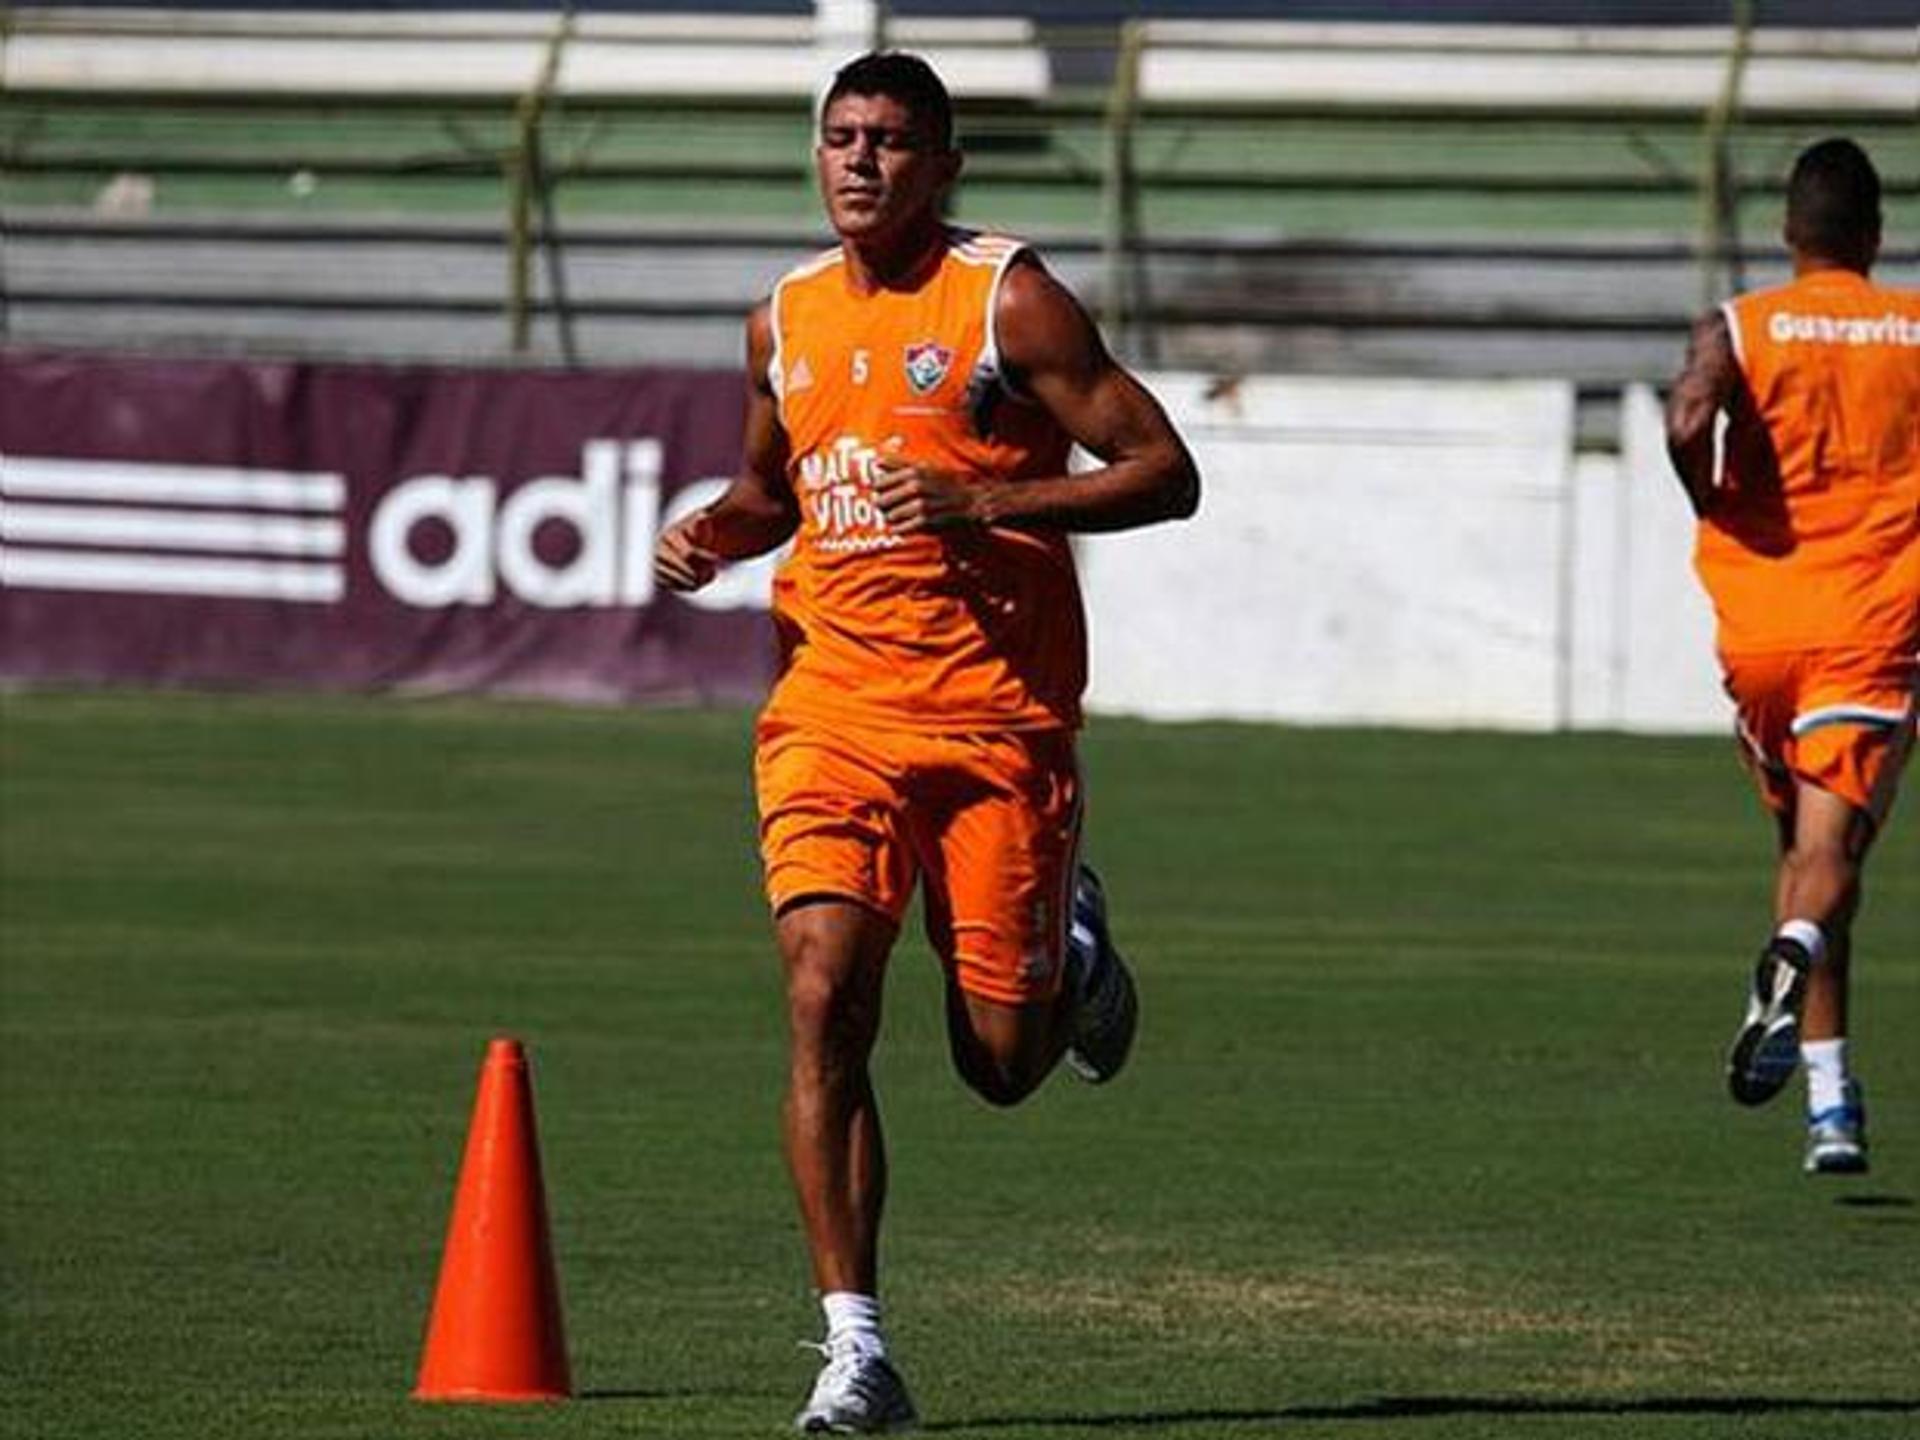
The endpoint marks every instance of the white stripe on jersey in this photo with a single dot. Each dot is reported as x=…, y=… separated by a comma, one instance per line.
x=776, y=368
x=1811, y=720
x=1733, y=330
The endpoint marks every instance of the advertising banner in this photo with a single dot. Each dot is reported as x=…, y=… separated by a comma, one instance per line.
x=215, y=523
x=1368, y=551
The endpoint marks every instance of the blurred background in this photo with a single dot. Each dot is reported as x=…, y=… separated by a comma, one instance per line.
x=1467, y=187
x=1459, y=191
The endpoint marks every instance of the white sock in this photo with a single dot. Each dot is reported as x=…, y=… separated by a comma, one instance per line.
x=853, y=1319
x=1826, y=1062
x=1808, y=934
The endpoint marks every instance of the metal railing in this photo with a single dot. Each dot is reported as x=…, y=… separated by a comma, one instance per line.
x=1166, y=191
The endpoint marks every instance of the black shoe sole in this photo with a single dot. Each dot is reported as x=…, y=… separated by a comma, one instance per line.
x=1745, y=1085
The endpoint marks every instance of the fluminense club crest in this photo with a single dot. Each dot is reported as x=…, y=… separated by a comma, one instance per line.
x=927, y=365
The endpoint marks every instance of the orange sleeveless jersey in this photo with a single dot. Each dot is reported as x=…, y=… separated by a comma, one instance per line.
x=956, y=631
x=1814, y=542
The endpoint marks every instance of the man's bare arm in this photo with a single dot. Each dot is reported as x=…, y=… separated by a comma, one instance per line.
x=1052, y=351
x=757, y=512
x=1702, y=390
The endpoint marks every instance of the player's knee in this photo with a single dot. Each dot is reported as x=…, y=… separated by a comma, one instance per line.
x=1000, y=1088
x=811, y=1001
x=829, y=1012
x=1001, y=1081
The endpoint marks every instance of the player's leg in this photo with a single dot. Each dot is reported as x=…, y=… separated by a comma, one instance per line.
x=1004, y=1051
x=1836, y=1101
x=997, y=831
x=1820, y=880
x=1799, y=995
x=1766, y=1047
x=1820, y=865
x=1845, y=748
x=1819, y=892
x=1823, y=879
x=1008, y=1010
x=1019, y=924
x=835, y=955
x=838, y=875
x=1824, y=1017
x=1853, y=748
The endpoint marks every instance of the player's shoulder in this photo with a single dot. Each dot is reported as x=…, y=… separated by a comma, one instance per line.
x=822, y=262
x=990, y=248
x=802, y=289
x=1712, y=327
x=1903, y=298
x=1026, y=282
x=1761, y=301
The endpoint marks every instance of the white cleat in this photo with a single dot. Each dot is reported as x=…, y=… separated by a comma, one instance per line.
x=856, y=1393
x=1837, y=1136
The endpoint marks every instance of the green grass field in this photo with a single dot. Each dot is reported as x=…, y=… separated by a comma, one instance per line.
x=1425, y=1135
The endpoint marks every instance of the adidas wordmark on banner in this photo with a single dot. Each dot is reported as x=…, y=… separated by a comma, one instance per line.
x=244, y=534
x=142, y=528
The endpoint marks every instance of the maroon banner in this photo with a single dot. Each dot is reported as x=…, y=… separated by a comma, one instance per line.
x=167, y=522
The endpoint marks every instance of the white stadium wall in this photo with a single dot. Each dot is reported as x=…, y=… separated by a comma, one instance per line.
x=1407, y=553
x=1669, y=680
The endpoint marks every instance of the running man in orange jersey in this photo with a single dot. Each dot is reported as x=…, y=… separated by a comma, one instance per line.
x=914, y=395
x=1809, y=545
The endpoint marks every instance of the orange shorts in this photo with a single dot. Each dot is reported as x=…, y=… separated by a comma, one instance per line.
x=1839, y=719
x=991, y=820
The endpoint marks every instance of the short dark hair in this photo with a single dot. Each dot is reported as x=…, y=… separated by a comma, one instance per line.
x=898, y=76
x=1833, y=202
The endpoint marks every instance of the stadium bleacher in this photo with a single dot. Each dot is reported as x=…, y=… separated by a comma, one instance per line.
x=1479, y=193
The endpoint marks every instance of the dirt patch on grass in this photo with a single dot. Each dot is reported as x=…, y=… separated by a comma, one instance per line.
x=1431, y=1299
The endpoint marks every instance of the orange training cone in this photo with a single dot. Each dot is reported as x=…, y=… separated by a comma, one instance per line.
x=495, y=1332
